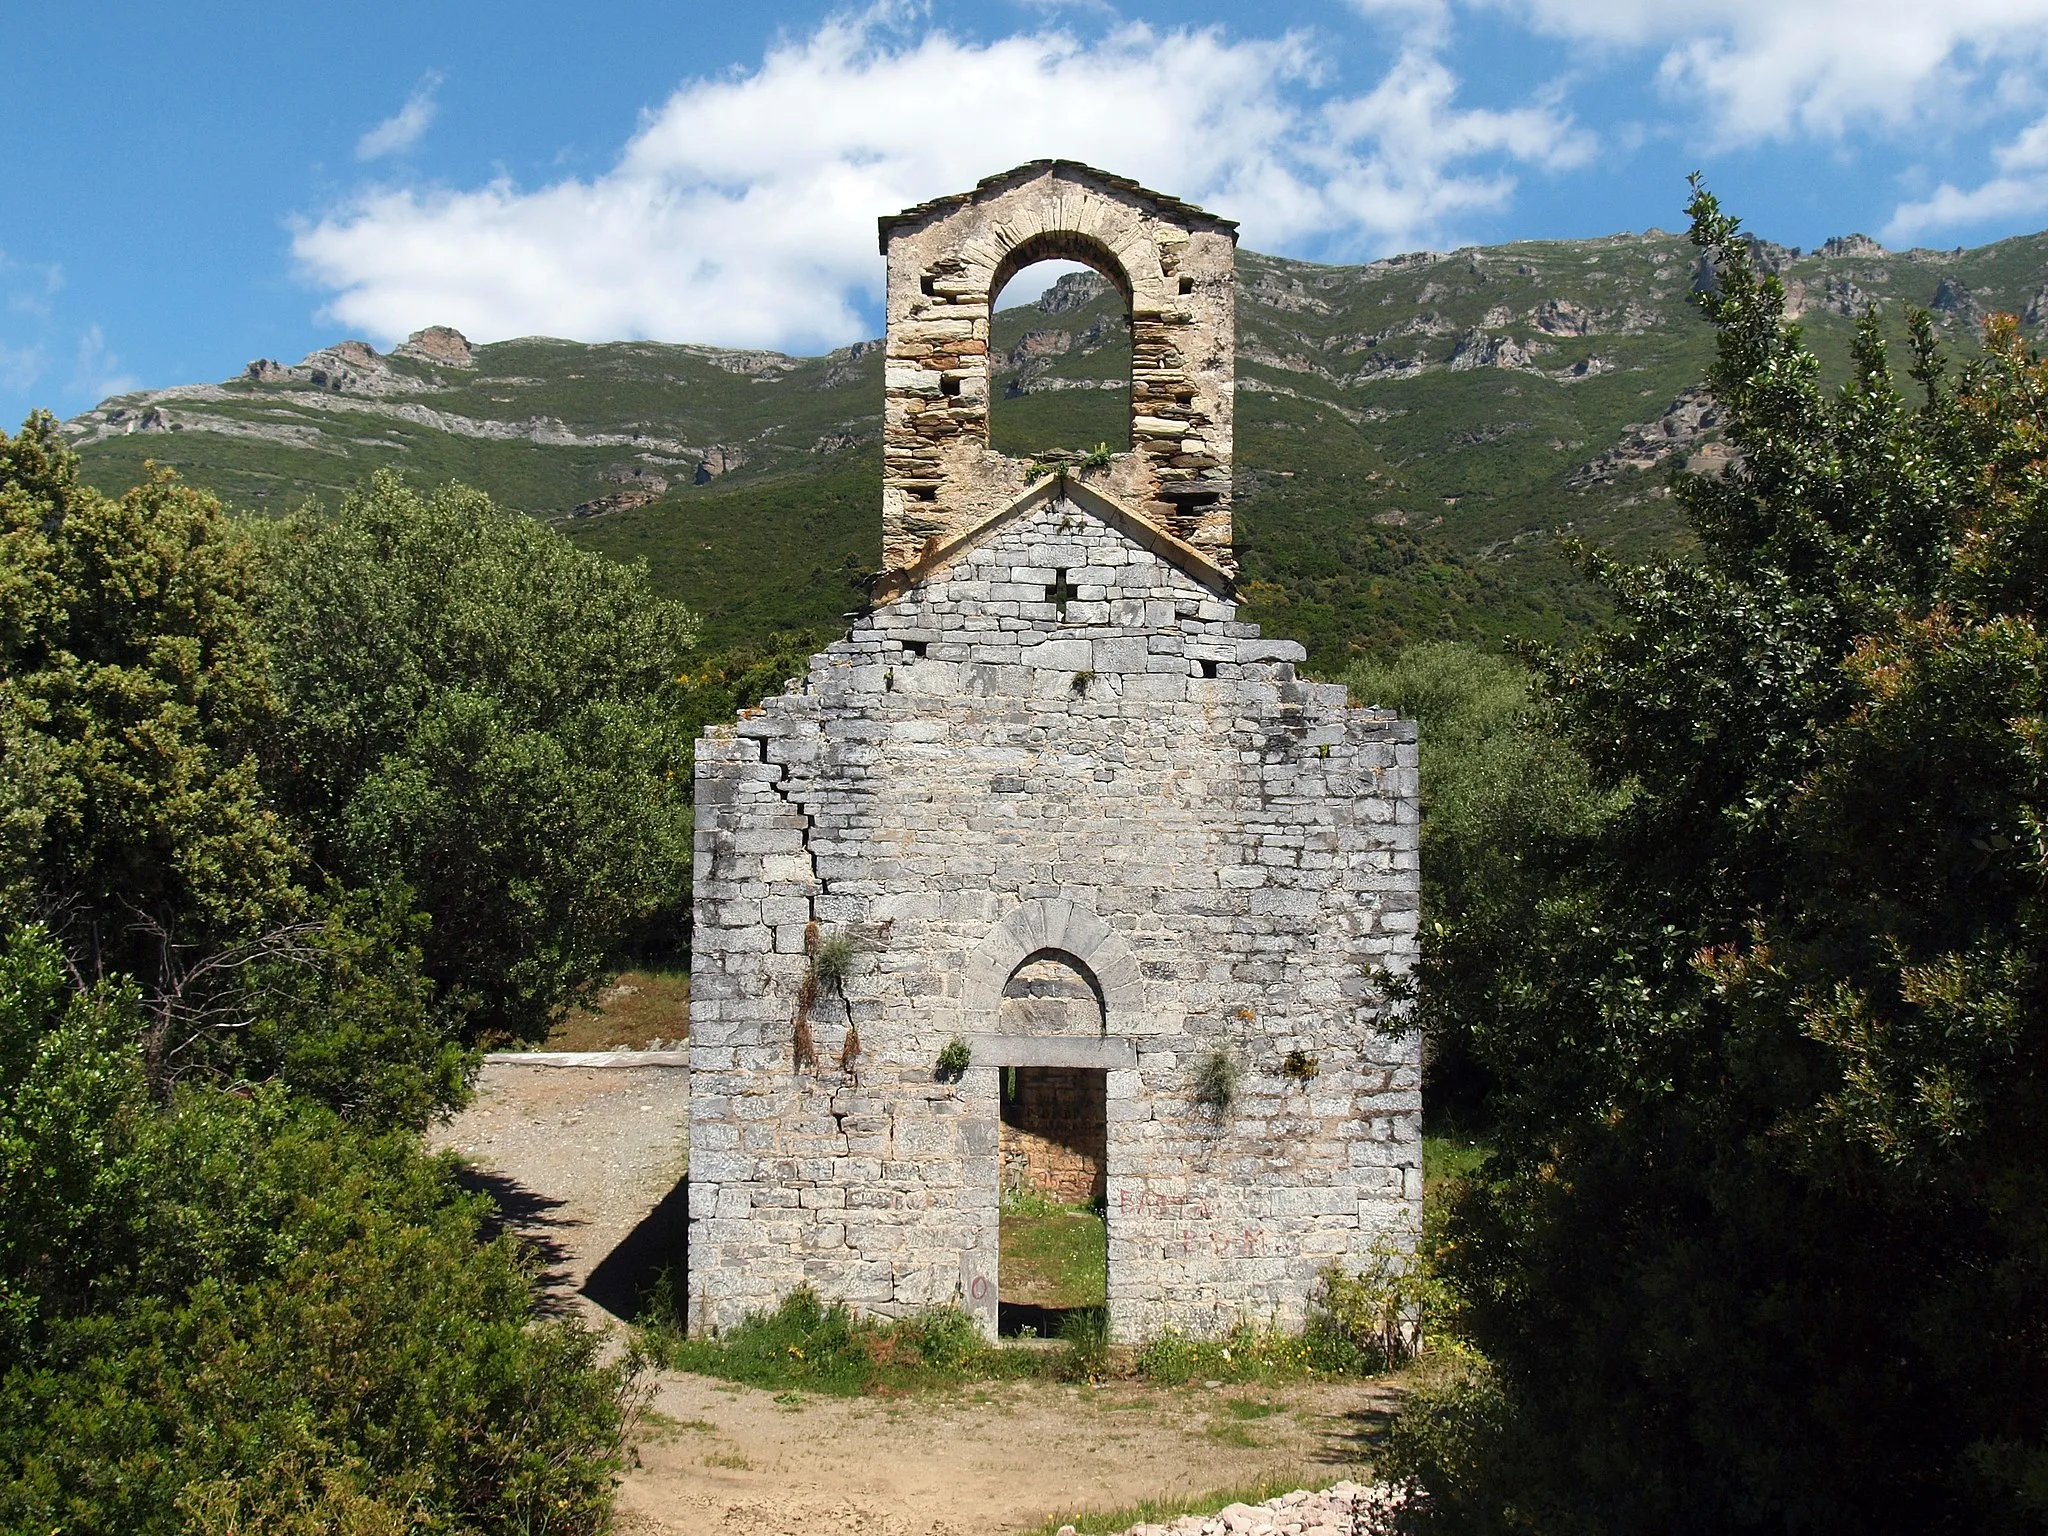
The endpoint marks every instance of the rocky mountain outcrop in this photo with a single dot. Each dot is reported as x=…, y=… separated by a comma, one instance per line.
x=346, y=368
x=617, y=501
x=1477, y=349
x=1953, y=299
x=719, y=459
x=1073, y=291
x=441, y=344
x=1690, y=425
x=1841, y=246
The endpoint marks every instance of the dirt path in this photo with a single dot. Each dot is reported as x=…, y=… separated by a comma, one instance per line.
x=587, y=1164
x=737, y=1462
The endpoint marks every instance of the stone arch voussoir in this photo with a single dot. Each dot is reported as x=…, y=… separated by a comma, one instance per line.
x=1065, y=929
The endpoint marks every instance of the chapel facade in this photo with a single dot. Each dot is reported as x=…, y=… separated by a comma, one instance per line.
x=1053, y=874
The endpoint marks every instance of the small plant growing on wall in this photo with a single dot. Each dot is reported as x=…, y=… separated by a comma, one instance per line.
x=954, y=1060
x=1300, y=1066
x=1082, y=679
x=829, y=959
x=1216, y=1079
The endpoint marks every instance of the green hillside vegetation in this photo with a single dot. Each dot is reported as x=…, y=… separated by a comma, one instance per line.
x=1415, y=436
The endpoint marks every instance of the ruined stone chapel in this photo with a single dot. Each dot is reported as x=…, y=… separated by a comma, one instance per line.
x=1053, y=871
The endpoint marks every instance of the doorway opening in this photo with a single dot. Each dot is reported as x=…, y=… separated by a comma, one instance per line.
x=1060, y=365
x=1053, y=1277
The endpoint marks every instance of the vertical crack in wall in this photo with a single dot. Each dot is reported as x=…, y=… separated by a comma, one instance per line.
x=780, y=785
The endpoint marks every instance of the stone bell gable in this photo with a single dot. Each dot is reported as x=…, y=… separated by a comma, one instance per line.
x=949, y=258
x=1069, y=813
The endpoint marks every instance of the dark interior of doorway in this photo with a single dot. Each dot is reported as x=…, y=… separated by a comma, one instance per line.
x=1055, y=1235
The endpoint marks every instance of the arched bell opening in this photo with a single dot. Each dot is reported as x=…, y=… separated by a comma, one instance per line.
x=1060, y=358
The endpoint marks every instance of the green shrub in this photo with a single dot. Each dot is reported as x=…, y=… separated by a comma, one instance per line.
x=479, y=711
x=238, y=1311
x=955, y=1057
x=1759, y=1244
x=806, y=1343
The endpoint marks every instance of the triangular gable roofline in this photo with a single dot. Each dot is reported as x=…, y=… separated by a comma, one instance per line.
x=1172, y=207
x=1184, y=557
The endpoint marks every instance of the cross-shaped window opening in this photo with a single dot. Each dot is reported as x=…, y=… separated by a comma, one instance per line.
x=1059, y=592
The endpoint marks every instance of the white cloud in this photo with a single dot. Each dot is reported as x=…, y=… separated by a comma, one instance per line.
x=743, y=210
x=20, y=367
x=403, y=128
x=2019, y=190
x=97, y=373
x=1775, y=67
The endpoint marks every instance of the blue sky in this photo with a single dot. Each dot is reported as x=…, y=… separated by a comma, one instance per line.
x=191, y=187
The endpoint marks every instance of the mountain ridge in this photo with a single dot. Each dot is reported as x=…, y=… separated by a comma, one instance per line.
x=1415, y=435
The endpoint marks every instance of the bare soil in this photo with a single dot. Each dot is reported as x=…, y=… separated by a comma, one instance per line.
x=587, y=1164
x=1007, y=1456
x=633, y=1011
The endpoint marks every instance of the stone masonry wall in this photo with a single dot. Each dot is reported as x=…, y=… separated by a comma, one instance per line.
x=1138, y=782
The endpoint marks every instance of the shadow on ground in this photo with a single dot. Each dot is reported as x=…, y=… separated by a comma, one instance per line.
x=533, y=1222
x=625, y=1278
x=1360, y=1435
x=1013, y=1318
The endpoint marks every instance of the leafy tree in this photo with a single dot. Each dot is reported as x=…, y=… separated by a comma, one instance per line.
x=480, y=712
x=1764, y=1245
x=134, y=691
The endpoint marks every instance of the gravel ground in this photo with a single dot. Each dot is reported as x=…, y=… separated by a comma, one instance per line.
x=587, y=1163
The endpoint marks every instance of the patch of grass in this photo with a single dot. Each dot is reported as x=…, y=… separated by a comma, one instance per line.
x=1053, y=1255
x=1173, y=1505
x=656, y=1425
x=1230, y=1432
x=808, y=1345
x=1453, y=1155
x=1249, y=1353
x=730, y=1459
x=629, y=1013
x=1252, y=1408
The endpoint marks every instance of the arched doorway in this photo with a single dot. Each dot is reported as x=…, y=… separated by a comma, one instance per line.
x=1054, y=1242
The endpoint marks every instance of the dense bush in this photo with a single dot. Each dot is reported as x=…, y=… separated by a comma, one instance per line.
x=1763, y=1244
x=236, y=1312
x=235, y=1294
x=480, y=712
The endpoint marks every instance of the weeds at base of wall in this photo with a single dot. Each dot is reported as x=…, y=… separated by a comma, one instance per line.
x=810, y=1345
